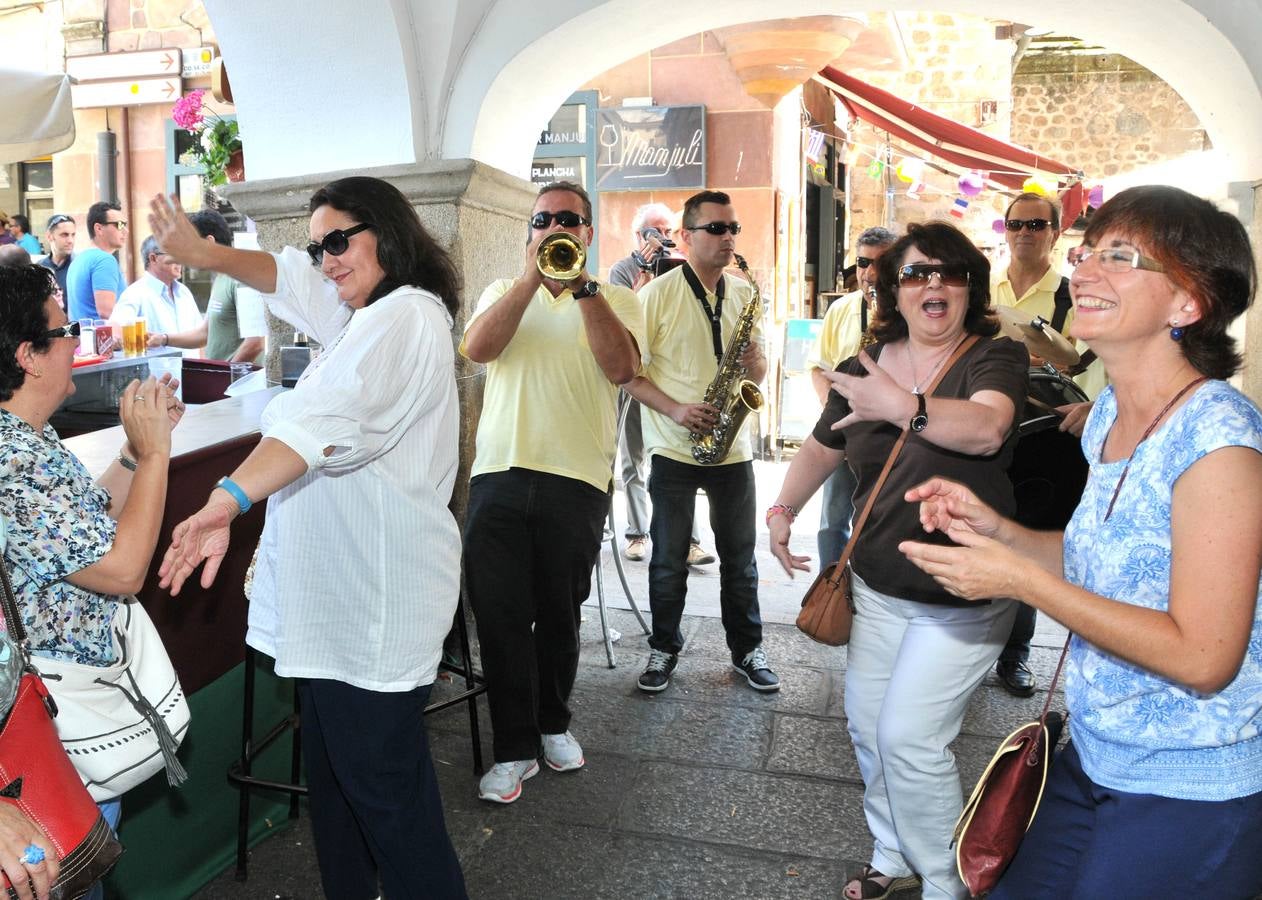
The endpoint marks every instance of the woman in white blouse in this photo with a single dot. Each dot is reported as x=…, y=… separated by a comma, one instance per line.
x=358, y=568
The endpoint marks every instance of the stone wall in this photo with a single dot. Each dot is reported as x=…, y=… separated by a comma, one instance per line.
x=1100, y=112
x=957, y=69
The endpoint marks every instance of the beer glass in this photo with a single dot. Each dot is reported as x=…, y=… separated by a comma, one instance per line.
x=129, y=338
x=142, y=335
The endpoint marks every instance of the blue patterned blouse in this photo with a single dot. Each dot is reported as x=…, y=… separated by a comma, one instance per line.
x=1136, y=731
x=58, y=523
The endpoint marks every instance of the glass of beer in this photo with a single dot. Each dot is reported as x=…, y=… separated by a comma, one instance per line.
x=142, y=335
x=130, y=344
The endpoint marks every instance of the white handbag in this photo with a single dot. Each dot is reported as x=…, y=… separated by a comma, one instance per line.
x=121, y=723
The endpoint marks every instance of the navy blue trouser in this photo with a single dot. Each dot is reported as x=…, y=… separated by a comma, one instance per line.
x=530, y=542
x=836, y=514
x=1089, y=841
x=730, y=491
x=375, y=808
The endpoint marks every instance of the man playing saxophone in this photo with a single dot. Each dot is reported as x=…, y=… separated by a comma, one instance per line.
x=691, y=315
x=556, y=345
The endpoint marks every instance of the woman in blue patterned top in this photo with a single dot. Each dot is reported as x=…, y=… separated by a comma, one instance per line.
x=76, y=548
x=1160, y=790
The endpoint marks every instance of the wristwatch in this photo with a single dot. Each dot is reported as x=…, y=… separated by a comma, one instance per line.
x=920, y=420
x=589, y=289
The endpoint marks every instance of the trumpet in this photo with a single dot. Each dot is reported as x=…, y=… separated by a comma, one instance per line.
x=561, y=256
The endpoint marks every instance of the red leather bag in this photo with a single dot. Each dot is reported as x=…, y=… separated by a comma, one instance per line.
x=38, y=778
x=1002, y=806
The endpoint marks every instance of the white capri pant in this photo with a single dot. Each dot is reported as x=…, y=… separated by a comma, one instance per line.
x=910, y=670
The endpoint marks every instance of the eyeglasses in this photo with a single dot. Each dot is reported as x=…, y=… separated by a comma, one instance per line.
x=59, y=219
x=120, y=224
x=919, y=274
x=1029, y=224
x=70, y=329
x=564, y=218
x=335, y=243
x=864, y=261
x=716, y=228
x=1115, y=259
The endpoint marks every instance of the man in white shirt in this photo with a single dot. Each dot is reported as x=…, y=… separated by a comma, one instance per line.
x=158, y=297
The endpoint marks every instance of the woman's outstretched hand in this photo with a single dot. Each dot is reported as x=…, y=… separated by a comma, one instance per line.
x=949, y=507
x=980, y=568
x=780, y=530
x=202, y=537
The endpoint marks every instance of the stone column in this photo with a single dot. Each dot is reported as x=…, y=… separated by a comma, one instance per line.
x=1251, y=376
x=477, y=213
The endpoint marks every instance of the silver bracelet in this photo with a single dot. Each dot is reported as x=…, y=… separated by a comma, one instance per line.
x=126, y=462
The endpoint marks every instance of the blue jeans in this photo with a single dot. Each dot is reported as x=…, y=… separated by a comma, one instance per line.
x=1092, y=841
x=631, y=446
x=673, y=489
x=836, y=515
x=112, y=810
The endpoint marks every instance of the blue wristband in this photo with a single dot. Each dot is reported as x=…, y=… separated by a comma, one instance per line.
x=243, y=502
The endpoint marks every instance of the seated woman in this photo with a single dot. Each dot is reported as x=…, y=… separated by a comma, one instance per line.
x=76, y=549
x=916, y=654
x=358, y=568
x=1159, y=792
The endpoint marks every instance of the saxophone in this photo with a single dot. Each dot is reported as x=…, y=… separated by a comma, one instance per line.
x=731, y=393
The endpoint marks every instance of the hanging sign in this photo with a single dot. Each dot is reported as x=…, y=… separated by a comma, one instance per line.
x=650, y=148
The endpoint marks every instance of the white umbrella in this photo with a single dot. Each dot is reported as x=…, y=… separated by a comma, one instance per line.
x=36, y=117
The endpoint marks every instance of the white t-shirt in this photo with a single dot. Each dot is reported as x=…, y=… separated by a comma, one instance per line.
x=358, y=569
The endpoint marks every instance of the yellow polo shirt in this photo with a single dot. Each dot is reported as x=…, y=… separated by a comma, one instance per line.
x=547, y=405
x=840, y=333
x=1039, y=300
x=681, y=356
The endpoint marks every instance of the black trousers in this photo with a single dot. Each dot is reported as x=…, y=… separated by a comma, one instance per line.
x=1018, y=647
x=530, y=542
x=375, y=807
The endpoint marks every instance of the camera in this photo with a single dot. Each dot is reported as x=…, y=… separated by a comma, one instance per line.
x=653, y=234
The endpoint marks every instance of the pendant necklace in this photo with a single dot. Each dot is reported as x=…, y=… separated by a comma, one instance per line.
x=911, y=364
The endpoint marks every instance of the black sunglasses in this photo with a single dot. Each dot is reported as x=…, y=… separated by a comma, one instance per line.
x=1031, y=224
x=918, y=274
x=70, y=329
x=863, y=261
x=564, y=218
x=717, y=228
x=58, y=220
x=335, y=243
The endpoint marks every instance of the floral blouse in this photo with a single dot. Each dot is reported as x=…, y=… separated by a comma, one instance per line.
x=58, y=522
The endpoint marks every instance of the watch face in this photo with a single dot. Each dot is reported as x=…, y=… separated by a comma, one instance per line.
x=920, y=422
x=589, y=289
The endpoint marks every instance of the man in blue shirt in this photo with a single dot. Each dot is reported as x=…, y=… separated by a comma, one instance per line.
x=95, y=280
x=20, y=228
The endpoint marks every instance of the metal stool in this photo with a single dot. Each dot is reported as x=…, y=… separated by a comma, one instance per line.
x=615, y=546
x=239, y=772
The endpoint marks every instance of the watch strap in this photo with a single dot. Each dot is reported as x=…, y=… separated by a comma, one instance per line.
x=588, y=289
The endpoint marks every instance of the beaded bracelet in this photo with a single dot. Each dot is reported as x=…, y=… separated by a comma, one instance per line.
x=781, y=509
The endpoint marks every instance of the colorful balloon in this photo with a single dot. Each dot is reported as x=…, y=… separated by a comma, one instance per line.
x=1043, y=186
x=910, y=170
x=997, y=226
x=971, y=184
x=1095, y=197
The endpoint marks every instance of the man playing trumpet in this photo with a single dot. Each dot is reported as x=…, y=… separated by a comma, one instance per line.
x=690, y=315
x=556, y=349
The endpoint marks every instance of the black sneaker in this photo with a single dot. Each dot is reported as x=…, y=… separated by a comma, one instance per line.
x=757, y=673
x=656, y=675
x=1016, y=677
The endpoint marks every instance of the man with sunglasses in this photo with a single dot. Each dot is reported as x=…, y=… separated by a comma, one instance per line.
x=690, y=314
x=555, y=353
x=1032, y=285
x=60, y=236
x=94, y=280
x=839, y=338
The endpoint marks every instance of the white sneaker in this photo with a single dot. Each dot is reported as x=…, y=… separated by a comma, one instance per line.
x=637, y=548
x=562, y=753
x=503, y=783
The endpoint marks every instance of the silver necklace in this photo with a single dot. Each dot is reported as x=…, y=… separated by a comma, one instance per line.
x=911, y=364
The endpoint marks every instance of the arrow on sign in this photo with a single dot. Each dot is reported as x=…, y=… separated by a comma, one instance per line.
x=168, y=89
x=167, y=61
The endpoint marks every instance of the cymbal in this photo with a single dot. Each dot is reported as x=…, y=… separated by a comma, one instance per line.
x=1038, y=336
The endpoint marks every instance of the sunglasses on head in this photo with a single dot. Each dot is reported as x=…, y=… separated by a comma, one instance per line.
x=335, y=243
x=1030, y=224
x=564, y=218
x=58, y=220
x=70, y=329
x=717, y=228
x=949, y=274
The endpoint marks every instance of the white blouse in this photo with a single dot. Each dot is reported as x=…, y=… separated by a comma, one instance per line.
x=358, y=569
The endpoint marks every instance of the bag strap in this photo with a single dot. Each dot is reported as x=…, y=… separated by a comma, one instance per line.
x=1051, y=688
x=12, y=618
x=1063, y=303
x=844, y=559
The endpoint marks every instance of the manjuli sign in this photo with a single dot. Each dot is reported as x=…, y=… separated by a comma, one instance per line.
x=650, y=148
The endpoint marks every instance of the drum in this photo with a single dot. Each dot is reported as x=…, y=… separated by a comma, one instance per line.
x=1048, y=469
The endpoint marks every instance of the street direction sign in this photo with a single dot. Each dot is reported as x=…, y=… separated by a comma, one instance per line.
x=136, y=92
x=124, y=66
x=197, y=62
